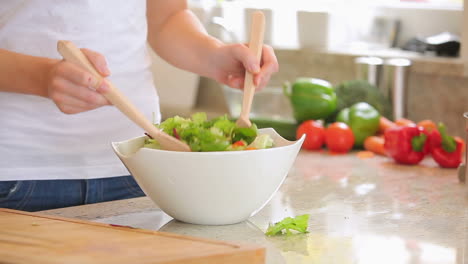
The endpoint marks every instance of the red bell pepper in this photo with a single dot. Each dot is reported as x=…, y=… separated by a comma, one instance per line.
x=447, y=151
x=406, y=144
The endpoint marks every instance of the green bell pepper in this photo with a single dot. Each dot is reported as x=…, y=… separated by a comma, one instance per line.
x=311, y=98
x=363, y=119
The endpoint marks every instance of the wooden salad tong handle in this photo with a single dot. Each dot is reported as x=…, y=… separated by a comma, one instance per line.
x=74, y=55
x=257, y=30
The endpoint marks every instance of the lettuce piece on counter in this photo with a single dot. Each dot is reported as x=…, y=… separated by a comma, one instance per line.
x=202, y=134
x=299, y=223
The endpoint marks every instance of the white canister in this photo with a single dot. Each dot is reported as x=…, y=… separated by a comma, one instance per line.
x=313, y=29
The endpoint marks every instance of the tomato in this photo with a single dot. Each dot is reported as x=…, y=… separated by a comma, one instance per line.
x=339, y=137
x=239, y=143
x=315, y=134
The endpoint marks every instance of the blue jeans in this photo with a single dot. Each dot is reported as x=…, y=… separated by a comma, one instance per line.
x=37, y=195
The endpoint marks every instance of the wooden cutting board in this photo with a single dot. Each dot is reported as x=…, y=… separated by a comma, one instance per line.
x=35, y=238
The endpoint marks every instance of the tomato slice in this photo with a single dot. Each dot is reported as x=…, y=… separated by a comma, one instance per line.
x=239, y=143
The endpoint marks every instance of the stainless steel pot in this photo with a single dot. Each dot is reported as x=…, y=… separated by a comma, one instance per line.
x=462, y=171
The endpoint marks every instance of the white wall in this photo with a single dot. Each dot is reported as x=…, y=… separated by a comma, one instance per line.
x=424, y=21
x=348, y=21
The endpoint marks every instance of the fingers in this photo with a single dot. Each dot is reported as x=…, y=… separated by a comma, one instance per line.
x=75, y=74
x=75, y=90
x=269, y=67
x=235, y=81
x=73, y=105
x=262, y=75
x=246, y=56
x=69, y=88
x=68, y=95
x=98, y=60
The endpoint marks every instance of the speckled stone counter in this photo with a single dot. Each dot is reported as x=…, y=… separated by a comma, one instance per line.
x=361, y=211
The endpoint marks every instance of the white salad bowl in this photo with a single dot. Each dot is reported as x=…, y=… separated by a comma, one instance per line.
x=210, y=188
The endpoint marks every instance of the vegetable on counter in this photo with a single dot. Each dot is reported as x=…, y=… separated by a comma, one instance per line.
x=311, y=99
x=385, y=124
x=365, y=154
x=428, y=125
x=299, y=224
x=315, y=134
x=375, y=144
x=363, y=119
x=339, y=137
x=218, y=134
x=406, y=144
x=404, y=122
x=446, y=150
x=351, y=92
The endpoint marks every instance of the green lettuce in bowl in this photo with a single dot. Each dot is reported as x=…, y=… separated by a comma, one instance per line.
x=218, y=134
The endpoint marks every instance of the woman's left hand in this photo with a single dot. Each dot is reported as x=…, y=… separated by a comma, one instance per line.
x=230, y=62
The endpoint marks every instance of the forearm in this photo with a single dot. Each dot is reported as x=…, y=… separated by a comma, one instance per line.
x=25, y=74
x=183, y=42
x=177, y=36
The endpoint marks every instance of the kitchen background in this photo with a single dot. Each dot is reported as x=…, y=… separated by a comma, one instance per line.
x=322, y=39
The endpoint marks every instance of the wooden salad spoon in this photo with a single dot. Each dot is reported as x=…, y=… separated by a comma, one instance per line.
x=257, y=30
x=74, y=55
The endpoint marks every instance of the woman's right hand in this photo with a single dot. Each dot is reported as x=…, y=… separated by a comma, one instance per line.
x=73, y=89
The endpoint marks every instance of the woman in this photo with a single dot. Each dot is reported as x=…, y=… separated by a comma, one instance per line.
x=55, y=130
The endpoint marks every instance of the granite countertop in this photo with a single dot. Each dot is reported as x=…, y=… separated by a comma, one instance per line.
x=361, y=211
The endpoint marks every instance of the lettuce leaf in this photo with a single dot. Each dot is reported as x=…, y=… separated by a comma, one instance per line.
x=151, y=143
x=245, y=133
x=262, y=142
x=202, y=134
x=299, y=224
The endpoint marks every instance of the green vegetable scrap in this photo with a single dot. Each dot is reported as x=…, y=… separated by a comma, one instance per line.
x=349, y=93
x=311, y=98
x=299, y=224
x=201, y=134
x=363, y=119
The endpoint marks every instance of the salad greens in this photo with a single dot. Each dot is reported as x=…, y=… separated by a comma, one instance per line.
x=218, y=134
x=299, y=223
x=262, y=141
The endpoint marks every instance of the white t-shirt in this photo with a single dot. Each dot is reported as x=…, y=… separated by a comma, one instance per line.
x=37, y=141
